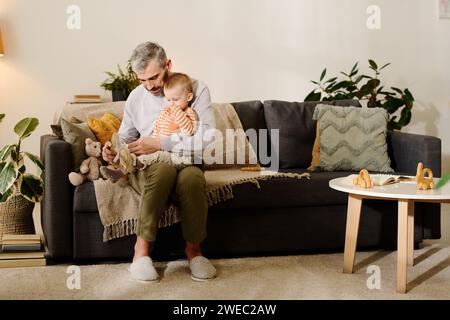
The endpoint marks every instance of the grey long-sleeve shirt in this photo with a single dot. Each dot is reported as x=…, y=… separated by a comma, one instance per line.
x=142, y=109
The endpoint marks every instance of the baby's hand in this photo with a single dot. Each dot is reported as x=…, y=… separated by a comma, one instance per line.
x=172, y=108
x=173, y=126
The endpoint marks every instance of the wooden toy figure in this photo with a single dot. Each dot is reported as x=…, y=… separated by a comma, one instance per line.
x=424, y=183
x=363, y=179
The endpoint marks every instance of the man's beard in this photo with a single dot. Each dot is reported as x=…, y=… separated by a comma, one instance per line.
x=156, y=93
x=160, y=92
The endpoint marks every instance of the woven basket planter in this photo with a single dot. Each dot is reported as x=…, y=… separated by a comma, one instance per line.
x=16, y=216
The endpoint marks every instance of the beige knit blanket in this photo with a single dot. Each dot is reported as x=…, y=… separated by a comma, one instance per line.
x=118, y=203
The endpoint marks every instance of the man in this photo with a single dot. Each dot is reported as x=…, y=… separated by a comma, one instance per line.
x=160, y=181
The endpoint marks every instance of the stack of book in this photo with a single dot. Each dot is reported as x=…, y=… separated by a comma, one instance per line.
x=21, y=250
x=87, y=98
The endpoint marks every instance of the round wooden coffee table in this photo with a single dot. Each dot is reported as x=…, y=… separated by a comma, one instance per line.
x=406, y=194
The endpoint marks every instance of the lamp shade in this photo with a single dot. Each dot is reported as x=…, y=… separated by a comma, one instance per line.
x=2, y=49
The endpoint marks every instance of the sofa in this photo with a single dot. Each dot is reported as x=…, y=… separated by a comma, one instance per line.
x=284, y=216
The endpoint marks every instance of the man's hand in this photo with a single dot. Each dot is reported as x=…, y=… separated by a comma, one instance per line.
x=146, y=145
x=107, y=154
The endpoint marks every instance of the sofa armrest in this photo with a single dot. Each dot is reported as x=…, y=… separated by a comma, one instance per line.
x=406, y=150
x=56, y=207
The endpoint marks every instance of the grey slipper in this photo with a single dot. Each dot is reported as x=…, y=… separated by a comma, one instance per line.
x=202, y=269
x=142, y=269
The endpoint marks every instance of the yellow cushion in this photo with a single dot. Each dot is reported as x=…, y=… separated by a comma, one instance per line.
x=104, y=127
x=316, y=151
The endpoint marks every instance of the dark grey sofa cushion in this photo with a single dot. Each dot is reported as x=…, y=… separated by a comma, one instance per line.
x=251, y=114
x=297, y=129
x=275, y=192
x=287, y=192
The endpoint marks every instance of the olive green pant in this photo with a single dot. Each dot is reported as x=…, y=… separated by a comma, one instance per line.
x=186, y=187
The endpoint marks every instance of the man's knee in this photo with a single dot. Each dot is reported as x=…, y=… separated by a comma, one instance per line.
x=160, y=174
x=190, y=179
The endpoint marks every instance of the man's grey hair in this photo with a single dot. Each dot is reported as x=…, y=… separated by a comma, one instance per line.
x=146, y=52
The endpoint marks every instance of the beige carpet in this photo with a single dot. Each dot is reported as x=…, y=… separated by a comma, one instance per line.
x=288, y=277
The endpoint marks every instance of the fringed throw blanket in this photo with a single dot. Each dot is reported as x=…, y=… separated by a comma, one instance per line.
x=220, y=182
x=118, y=204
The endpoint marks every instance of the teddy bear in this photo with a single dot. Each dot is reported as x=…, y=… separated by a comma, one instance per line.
x=89, y=168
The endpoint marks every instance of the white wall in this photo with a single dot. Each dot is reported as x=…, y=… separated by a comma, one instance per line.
x=243, y=49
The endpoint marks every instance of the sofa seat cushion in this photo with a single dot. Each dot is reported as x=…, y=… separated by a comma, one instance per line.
x=275, y=192
x=288, y=192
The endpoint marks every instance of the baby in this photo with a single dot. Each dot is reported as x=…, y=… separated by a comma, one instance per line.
x=176, y=117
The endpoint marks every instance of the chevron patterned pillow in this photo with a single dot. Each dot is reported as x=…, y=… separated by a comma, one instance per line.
x=352, y=138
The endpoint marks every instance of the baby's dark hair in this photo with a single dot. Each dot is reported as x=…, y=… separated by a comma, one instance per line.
x=179, y=79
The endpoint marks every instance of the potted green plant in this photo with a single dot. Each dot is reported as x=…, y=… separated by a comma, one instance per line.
x=120, y=84
x=19, y=190
x=397, y=102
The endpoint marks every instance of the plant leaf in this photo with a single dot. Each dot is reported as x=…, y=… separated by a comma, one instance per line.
x=405, y=117
x=368, y=88
x=358, y=79
x=397, y=90
x=313, y=96
x=384, y=66
x=351, y=88
x=8, y=175
x=324, y=72
x=32, y=188
x=408, y=96
x=25, y=127
x=331, y=80
x=5, y=196
x=6, y=151
x=35, y=160
x=354, y=73
x=15, y=153
x=392, y=125
x=392, y=104
x=2, y=115
x=340, y=85
x=328, y=87
x=22, y=169
x=343, y=96
x=373, y=65
x=373, y=83
x=354, y=68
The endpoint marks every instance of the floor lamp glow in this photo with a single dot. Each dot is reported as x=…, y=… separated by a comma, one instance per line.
x=2, y=49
